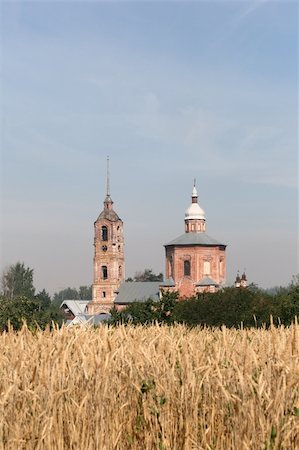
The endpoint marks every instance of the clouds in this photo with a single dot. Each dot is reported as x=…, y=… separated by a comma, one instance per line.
x=151, y=86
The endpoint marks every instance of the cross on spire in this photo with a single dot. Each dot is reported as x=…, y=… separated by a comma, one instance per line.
x=108, y=201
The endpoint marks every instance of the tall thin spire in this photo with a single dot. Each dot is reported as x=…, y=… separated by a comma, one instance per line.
x=108, y=178
x=108, y=200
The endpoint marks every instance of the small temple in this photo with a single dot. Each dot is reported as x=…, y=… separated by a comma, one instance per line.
x=195, y=261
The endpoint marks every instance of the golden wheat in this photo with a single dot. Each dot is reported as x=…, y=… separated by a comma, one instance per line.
x=150, y=388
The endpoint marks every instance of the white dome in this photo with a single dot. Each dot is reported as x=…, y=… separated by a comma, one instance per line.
x=195, y=212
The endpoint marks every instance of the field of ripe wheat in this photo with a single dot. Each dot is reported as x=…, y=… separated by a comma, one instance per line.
x=150, y=388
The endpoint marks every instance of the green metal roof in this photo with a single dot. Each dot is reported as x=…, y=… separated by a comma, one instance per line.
x=195, y=239
x=137, y=291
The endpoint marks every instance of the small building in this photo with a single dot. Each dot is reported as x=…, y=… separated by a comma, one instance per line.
x=73, y=308
x=76, y=313
x=89, y=320
x=136, y=291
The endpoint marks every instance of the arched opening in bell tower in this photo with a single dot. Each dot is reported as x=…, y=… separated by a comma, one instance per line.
x=104, y=272
x=104, y=233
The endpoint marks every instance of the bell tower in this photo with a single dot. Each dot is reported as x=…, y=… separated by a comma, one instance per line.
x=108, y=261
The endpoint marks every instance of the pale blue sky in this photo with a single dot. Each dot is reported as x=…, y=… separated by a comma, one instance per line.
x=171, y=91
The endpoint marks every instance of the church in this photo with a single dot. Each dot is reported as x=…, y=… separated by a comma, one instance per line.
x=194, y=262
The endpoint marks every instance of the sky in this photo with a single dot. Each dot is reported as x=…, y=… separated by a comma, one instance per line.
x=171, y=91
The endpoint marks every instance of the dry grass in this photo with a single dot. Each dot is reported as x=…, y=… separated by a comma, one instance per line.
x=150, y=388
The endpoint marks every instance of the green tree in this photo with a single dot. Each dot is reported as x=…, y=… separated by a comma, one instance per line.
x=147, y=312
x=44, y=299
x=165, y=307
x=85, y=292
x=230, y=306
x=289, y=303
x=146, y=275
x=17, y=280
x=51, y=315
x=18, y=302
x=65, y=294
x=19, y=309
x=135, y=313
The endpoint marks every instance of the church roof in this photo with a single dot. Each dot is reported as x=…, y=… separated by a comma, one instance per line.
x=194, y=212
x=109, y=214
x=139, y=291
x=207, y=281
x=194, y=238
x=168, y=282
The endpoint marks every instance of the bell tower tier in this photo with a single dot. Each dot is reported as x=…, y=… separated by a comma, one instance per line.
x=109, y=260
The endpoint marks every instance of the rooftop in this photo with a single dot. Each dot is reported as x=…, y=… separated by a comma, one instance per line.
x=76, y=306
x=195, y=238
x=129, y=292
x=207, y=281
x=109, y=214
x=168, y=282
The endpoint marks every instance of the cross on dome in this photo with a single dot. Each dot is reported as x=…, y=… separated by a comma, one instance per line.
x=194, y=191
x=194, y=211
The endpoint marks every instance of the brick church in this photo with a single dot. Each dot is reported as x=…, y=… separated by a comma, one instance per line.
x=195, y=262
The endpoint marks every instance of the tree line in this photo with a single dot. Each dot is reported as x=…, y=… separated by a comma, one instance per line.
x=19, y=301
x=229, y=306
x=232, y=307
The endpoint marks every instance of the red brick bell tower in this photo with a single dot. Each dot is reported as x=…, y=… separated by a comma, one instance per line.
x=108, y=261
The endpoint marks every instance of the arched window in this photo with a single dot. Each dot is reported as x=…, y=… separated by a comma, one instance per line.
x=170, y=266
x=221, y=266
x=104, y=272
x=206, y=268
x=104, y=233
x=187, y=268
x=120, y=272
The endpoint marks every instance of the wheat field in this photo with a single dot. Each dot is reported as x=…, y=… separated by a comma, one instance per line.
x=153, y=387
